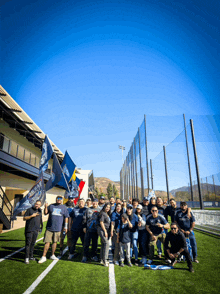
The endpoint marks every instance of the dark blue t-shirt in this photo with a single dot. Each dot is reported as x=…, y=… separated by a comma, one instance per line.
x=116, y=217
x=152, y=223
x=57, y=213
x=124, y=233
x=183, y=221
x=134, y=221
x=77, y=216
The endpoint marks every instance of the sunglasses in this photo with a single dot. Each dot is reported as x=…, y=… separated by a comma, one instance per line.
x=129, y=208
x=59, y=198
x=154, y=210
x=173, y=228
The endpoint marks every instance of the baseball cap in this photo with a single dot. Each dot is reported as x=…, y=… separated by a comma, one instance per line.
x=102, y=197
x=95, y=200
x=124, y=215
x=139, y=206
x=88, y=199
x=129, y=206
x=145, y=199
x=70, y=197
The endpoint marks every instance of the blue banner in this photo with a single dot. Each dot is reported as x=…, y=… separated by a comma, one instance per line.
x=37, y=192
x=68, y=167
x=47, y=152
x=74, y=193
x=56, y=174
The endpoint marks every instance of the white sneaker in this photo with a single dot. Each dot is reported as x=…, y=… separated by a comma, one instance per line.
x=26, y=260
x=149, y=261
x=43, y=259
x=144, y=260
x=53, y=257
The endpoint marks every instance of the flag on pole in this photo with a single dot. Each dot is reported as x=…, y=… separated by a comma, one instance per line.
x=73, y=190
x=37, y=192
x=78, y=181
x=56, y=174
x=47, y=152
x=68, y=167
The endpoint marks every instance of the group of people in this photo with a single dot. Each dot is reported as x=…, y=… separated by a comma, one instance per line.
x=134, y=228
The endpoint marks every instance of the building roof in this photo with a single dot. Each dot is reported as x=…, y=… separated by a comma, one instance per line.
x=18, y=119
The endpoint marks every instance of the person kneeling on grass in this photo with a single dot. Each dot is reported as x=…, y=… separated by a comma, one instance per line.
x=57, y=213
x=123, y=238
x=177, y=247
x=155, y=223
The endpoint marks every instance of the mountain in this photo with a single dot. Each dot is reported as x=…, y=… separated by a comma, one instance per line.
x=102, y=183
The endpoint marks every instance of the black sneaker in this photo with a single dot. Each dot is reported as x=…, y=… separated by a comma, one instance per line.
x=191, y=269
x=32, y=258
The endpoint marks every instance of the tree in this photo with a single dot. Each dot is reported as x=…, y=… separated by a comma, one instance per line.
x=109, y=190
x=115, y=191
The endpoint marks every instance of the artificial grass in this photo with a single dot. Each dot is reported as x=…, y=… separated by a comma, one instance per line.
x=179, y=280
x=75, y=277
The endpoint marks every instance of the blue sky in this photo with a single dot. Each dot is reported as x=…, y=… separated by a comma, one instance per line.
x=87, y=71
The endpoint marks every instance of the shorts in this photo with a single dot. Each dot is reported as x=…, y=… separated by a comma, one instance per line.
x=53, y=237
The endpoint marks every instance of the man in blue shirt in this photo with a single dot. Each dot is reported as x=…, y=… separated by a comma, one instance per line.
x=187, y=225
x=57, y=213
x=76, y=223
x=133, y=218
x=155, y=223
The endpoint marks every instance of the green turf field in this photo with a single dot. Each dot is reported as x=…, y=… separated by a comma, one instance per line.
x=75, y=277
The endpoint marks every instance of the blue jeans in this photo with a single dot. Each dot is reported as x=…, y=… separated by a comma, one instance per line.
x=192, y=240
x=134, y=246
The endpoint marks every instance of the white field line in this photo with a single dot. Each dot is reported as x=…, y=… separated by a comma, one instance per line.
x=8, y=256
x=111, y=272
x=43, y=275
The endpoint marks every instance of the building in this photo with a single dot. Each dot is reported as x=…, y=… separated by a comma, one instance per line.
x=20, y=152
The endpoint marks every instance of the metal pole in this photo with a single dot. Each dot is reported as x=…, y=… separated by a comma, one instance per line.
x=214, y=187
x=141, y=170
x=187, y=149
x=207, y=186
x=166, y=174
x=135, y=168
x=152, y=176
x=196, y=163
x=148, y=180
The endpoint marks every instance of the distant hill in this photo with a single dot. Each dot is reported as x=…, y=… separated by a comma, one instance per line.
x=102, y=183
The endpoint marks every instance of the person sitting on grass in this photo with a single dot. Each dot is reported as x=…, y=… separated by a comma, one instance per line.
x=155, y=223
x=177, y=247
x=123, y=238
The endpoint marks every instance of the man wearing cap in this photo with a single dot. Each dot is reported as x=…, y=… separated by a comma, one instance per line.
x=144, y=204
x=155, y=223
x=186, y=226
x=75, y=222
x=135, y=203
x=175, y=246
x=102, y=201
x=69, y=205
x=133, y=218
x=89, y=223
x=57, y=213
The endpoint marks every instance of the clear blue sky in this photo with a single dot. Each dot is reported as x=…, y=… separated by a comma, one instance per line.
x=87, y=71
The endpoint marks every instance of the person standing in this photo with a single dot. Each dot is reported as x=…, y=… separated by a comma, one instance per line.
x=142, y=233
x=175, y=246
x=104, y=232
x=102, y=201
x=155, y=223
x=34, y=223
x=133, y=218
x=115, y=221
x=69, y=205
x=124, y=240
x=112, y=202
x=76, y=224
x=90, y=219
x=57, y=213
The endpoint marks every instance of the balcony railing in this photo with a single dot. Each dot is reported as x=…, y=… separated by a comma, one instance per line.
x=13, y=148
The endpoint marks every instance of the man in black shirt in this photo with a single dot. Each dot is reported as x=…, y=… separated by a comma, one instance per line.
x=34, y=223
x=178, y=246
